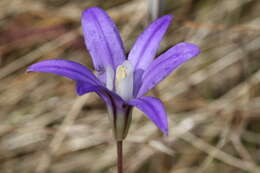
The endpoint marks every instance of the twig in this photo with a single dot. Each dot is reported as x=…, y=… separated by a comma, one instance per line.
x=221, y=143
x=155, y=8
x=212, y=27
x=34, y=55
x=220, y=155
x=61, y=134
x=218, y=66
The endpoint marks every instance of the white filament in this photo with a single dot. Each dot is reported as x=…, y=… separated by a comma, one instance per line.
x=110, y=78
x=124, y=80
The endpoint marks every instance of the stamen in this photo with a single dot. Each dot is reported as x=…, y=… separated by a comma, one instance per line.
x=124, y=80
x=110, y=78
x=121, y=72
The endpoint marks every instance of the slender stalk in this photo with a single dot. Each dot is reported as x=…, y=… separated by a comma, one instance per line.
x=119, y=156
x=155, y=8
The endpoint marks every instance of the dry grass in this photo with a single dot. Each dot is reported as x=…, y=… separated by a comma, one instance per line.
x=213, y=101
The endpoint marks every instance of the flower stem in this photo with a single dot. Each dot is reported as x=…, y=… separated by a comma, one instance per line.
x=119, y=156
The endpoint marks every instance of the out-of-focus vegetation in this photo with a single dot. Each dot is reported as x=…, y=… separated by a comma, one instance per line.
x=213, y=101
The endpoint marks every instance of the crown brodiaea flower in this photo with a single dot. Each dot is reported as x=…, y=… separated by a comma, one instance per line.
x=119, y=80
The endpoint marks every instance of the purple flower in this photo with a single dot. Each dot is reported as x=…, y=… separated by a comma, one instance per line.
x=122, y=81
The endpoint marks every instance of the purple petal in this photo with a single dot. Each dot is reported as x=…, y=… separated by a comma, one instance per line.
x=154, y=110
x=119, y=111
x=109, y=97
x=165, y=64
x=145, y=47
x=66, y=68
x=102, y=39
x=83, y=88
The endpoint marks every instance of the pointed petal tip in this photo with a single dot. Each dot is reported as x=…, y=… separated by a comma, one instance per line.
x=91, y=10
x=169, y=17
x=32, y=68
x=190, y=48
x=85, y=15
x=153, y=108
x=166, y=132
x=166, y=19
x=28, y=70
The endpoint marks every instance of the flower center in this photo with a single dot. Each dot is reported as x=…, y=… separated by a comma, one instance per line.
x=121, y=72
x=124, y=80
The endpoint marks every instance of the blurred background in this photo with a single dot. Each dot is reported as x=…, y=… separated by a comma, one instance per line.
x=213, y=101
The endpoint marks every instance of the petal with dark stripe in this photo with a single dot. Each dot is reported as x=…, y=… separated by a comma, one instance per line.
x=102, y=39
x=145, y=47
x=66, y=68
x=108, y=96
x=165, y=64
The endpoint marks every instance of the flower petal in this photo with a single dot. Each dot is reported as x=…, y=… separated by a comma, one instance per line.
x=107, y=95
x=66, y=68
x=154, y=110
x=102, y=39
x=165, y=64
x=119, y=112
x=84, y=88
x=145, y=47
x=111, y=98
